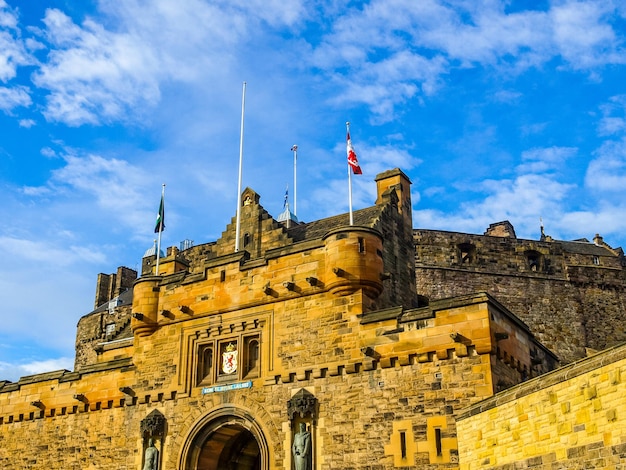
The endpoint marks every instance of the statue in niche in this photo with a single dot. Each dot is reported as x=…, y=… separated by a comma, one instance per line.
x=301, y=448
x=151, y=457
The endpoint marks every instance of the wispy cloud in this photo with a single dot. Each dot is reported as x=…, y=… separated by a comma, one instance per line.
x=11, y=98
x=12, y=372
x=541, y=160
x=13, y=52
x=613, y=121
x=607, y=171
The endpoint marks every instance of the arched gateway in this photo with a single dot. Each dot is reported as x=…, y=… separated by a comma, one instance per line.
x=227, y=438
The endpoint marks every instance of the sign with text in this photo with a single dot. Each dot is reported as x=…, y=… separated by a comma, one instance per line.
x=225, y=388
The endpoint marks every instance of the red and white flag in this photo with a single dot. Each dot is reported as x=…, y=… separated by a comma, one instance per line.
x=352, y=160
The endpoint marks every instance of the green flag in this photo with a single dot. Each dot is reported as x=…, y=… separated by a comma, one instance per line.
x=160, y=220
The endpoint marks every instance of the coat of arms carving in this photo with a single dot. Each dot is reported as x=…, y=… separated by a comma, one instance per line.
x=229, y=359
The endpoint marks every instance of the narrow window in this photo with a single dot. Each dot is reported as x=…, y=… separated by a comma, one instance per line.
x=252, y=351
x=403, y=444
x=222, y=275
x=596, y=260
x=361, y=245
x=246, y=239
x=205, y=364
x=438, y=441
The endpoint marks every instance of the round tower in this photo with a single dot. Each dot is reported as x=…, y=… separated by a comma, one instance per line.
x=145, y=305
x=354, y=260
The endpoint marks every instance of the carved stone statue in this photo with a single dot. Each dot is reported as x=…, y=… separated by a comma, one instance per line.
x=151, y=457
x=301, y=449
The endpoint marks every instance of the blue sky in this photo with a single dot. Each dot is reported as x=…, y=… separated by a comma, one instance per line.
x=496, y=110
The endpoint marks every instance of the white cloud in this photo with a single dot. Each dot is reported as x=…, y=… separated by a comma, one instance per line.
x=12, y=51
x=27, y=123
x=11, y=98
x=274, y=12
x=47, y=253
x=540, y=160
x=35, y=190
x=613, y=119
x=98, y=74
x=522, y=201
x=389, y=52
x=489, y=36
x=37, y=367
x=584, y=36
x=607, y=172
x=34, y=281
x=94, y=75
x=524, y=198
x=13, y=372
x=607, y=217
x=117, y=186
x=376, y=159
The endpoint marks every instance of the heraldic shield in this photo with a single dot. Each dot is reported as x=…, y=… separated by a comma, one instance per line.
x=229, y=359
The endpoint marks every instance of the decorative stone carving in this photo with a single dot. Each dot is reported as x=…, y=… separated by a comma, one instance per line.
x=153, y=425
x=303, y=403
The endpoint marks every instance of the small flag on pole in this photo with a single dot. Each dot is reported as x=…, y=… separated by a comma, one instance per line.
x=352, y=160
x=160, y=220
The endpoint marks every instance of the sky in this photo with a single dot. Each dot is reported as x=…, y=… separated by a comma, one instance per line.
x=496, y=110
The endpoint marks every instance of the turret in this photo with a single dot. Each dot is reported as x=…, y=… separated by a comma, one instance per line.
x=354, y=260
x=145, y=305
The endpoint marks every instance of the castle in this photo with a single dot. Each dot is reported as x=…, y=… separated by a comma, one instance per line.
x=331, y=345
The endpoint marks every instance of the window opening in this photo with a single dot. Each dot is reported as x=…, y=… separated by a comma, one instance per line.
x=252, y=356
x=438, y=441
x=534, y=260
x=228, y=359
x=205, y=364
x=467, y=253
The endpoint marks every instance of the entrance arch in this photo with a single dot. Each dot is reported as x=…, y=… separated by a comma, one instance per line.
x=225, y=439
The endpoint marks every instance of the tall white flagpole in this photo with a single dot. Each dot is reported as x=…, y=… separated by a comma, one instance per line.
x=161, y=213
x=349, y=181
x=238, y=229
x=295, y=160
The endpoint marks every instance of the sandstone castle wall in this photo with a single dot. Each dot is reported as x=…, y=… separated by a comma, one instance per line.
x=573, y=298
x=377, y=337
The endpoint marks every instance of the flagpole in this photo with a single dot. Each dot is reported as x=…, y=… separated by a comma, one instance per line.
x=349, y=182
x=238, y=229
x=295, y=160
x=158, y=253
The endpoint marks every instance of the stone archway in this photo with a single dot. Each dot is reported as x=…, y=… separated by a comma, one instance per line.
x=225, y=439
